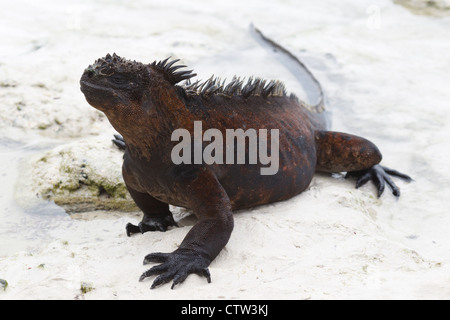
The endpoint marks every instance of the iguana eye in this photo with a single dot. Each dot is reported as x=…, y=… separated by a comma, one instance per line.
x=106, y=71
x=118, y=79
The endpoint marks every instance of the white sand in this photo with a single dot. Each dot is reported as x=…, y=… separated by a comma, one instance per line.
x=385, y=71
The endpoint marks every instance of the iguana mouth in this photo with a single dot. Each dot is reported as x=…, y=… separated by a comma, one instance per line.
x=88, y=87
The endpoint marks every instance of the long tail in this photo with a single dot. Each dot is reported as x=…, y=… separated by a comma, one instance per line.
x=319, y=106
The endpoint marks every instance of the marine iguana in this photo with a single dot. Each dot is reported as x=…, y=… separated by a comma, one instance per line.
x=145, y=103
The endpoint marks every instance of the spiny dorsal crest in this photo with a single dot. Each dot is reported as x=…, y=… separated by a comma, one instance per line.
x=170, y=71
x=252, y=87
x=216, y=86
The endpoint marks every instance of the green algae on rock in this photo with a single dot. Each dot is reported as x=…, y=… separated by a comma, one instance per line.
x=82, y=176
x=86, y=287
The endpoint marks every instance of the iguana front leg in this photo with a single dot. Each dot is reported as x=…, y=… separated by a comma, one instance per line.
x=342, y=152
x=157, y=216
x=206, y=238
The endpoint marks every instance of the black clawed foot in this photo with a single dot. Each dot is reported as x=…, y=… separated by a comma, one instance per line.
x=176, y=267
x=131, y=229
x=151, y=224
x=380, y=176
x=119, y=142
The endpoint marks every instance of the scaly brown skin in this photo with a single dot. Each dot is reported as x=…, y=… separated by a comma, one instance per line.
x=145, y=105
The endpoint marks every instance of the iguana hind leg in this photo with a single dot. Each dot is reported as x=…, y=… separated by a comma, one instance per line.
x=342, y=152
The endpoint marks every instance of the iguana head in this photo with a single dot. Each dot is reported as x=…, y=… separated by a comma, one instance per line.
x=113, y=81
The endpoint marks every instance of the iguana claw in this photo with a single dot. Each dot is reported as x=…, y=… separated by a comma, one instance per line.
x=380, y=176
x=176, y=266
